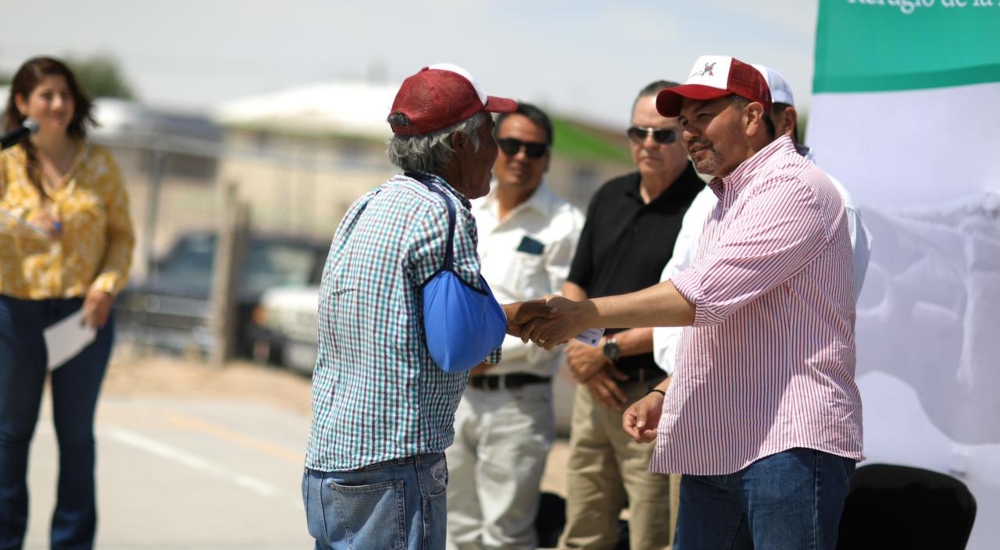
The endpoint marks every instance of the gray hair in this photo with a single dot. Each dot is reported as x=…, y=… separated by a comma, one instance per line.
x=651, y=89
x=431, y=152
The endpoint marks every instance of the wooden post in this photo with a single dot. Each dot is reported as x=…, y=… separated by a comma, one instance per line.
x=229, y=253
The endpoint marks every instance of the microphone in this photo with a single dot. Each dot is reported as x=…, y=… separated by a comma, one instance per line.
x=13, y=137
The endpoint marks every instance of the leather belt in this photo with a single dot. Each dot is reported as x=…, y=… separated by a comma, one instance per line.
x=505, y=381
x=644, y=374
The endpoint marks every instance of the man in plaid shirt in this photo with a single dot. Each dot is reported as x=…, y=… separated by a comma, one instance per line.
x=383, y=411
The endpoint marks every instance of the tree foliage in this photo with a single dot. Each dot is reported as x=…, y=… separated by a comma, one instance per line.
x=100, y=75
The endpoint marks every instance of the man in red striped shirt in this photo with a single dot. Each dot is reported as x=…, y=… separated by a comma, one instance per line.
x=762, y=416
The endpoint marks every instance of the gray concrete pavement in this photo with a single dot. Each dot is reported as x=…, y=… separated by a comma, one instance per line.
x=196, y=459
x=207, y=474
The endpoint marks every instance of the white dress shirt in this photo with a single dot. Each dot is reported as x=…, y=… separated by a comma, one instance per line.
x=525, y=257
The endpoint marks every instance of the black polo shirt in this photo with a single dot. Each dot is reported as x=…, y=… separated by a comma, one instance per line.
x=625, y=243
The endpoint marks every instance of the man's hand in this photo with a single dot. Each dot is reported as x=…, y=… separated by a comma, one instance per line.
x=96, y=308
x=643, y=417
x=570, y=320
x=584, y=361
x=605, y=390
x=519, y=313
x=481, y=368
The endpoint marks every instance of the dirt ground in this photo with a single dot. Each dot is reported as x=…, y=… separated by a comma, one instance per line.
x=132, y=375
x=175, y=377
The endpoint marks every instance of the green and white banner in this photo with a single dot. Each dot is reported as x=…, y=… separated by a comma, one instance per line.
x=906, y=113
x=906, y=98
x=895, y=45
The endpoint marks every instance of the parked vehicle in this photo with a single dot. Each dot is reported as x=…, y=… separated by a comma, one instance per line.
x=284, y=330
x=171, y=309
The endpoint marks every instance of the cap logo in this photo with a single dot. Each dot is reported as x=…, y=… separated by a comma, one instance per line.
x=734, y=78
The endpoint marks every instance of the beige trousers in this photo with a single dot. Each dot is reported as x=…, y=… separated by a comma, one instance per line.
x=605, y=468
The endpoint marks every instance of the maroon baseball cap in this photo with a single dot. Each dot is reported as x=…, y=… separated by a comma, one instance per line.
x=440, y=96
x=712, y=77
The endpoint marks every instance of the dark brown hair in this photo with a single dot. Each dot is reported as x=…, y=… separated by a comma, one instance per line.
x=740, y=103
x=532, y=113
x=24, y=83
x=27, y=78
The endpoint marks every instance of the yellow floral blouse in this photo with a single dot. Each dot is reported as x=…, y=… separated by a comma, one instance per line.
x=95, y=247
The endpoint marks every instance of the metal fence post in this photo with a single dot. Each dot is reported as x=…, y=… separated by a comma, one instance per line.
x=153, y=206
x=229, y=254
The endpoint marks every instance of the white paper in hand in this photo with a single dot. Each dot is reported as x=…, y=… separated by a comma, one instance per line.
x=65, y=339
x=24, y=227
x=591, y=336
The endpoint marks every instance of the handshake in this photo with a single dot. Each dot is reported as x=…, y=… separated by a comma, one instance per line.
x=549, y=321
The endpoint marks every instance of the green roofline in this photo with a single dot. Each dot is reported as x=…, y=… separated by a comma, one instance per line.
x=580, y=142
x=574, y=140
x=280, y=130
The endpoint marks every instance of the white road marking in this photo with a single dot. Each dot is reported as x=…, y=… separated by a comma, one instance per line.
x=162, y=450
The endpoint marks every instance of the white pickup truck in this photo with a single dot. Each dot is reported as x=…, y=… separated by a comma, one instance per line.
x=286, y=327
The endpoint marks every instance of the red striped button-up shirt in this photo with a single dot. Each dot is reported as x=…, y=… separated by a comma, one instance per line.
x=769, y=363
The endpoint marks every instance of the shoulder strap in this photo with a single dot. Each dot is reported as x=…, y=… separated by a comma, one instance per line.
x=449, y=255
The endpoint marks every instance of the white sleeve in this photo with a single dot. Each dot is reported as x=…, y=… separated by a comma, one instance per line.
x=861, y=238
x=861, y=241
x=665, y=339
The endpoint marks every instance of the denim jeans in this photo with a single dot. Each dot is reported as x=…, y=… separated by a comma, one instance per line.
x=395, y=505
x=787, y=501
x=75, y=388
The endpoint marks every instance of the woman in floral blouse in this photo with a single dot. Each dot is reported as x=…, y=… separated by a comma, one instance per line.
x=66, y=245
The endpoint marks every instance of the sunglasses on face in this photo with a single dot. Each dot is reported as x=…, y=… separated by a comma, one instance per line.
x=663, y=136
x=533, y=150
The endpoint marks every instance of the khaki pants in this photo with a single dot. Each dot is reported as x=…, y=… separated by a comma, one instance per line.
x=675, y=504
x=605, y=467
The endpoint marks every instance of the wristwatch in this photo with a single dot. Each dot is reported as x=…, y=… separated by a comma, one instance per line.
x=611, y=350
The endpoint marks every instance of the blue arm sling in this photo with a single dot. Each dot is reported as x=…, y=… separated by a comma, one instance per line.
x=462, y=323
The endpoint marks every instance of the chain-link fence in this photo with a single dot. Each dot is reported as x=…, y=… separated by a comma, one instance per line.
x=293, y=189
x=174, y=185
x=292, y=185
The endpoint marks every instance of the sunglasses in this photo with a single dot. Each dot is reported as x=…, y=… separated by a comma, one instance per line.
x=663, y=136
x=533, y=150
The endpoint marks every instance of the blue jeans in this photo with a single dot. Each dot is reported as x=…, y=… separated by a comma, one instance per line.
x=787, y=501
x=75, y=387
x=395, y=505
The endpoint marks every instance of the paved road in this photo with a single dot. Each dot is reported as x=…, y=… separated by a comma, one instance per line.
x=195, y=458
x=205, y=474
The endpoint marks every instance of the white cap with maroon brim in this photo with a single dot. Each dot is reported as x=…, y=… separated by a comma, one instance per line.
x=712, y=77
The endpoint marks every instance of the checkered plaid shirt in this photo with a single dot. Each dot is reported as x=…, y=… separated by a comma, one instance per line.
x=377, y=394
